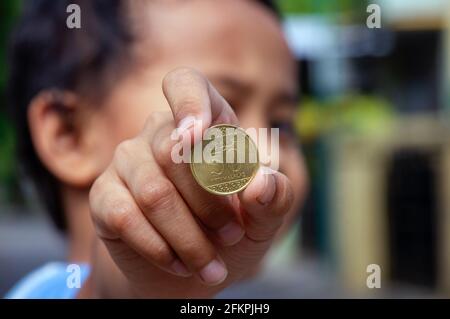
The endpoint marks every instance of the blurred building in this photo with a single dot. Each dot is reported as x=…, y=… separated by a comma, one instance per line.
x=374, y=129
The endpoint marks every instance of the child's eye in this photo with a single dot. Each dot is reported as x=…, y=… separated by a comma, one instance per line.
x=285, y=127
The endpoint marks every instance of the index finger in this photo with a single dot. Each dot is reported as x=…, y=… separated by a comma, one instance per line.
x=192, y=98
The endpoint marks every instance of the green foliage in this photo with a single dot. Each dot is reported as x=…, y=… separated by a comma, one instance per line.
x=350, y=10
x=356, y=114
x=9, y=11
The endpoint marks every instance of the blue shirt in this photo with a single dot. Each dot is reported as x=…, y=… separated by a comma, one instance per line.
x=54, y=280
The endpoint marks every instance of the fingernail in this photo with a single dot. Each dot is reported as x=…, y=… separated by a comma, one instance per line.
x=231, y=233
x=180, y=269
x=269, y=188
x=214, y=273
x=189, y=123
x=185, y=124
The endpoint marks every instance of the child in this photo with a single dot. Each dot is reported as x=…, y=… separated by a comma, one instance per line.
x=95, y=108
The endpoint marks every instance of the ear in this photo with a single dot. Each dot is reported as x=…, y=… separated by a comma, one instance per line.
x=55, y=120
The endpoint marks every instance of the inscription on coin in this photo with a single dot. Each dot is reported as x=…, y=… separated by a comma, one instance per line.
x=225, y=161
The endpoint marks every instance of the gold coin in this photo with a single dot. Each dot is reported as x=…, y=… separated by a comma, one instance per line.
x=225, y=161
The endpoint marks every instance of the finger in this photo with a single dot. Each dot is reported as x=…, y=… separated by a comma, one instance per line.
x=193, y=99
x=264, y=203
x=162, y=205
x=215, y=212
x=117, y=217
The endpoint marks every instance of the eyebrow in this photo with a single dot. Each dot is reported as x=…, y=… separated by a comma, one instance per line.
x=284, y=96
x=233, y=83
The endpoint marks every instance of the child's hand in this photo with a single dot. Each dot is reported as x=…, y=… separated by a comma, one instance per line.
x=166, y=235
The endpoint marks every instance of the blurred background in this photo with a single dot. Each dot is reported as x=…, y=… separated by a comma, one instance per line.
x=374, y=127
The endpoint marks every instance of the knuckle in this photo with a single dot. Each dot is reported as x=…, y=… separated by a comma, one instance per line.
x=190, y=250
x=196, y=253
x=162, y=150
x=154, y=119
x=124, y=149
x=95, y=191
x=120, y=216
x=154, y=195
x=214, y=216
x=97, y=194
x=162, y=255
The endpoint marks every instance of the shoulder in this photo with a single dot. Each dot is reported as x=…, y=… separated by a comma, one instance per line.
x=53, y=280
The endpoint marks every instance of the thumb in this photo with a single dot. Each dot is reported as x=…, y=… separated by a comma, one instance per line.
x=192, y=98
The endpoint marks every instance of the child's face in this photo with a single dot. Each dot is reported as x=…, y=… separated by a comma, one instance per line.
x=236, y=44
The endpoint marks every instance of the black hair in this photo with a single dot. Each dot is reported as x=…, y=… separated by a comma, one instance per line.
x=46, y=55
